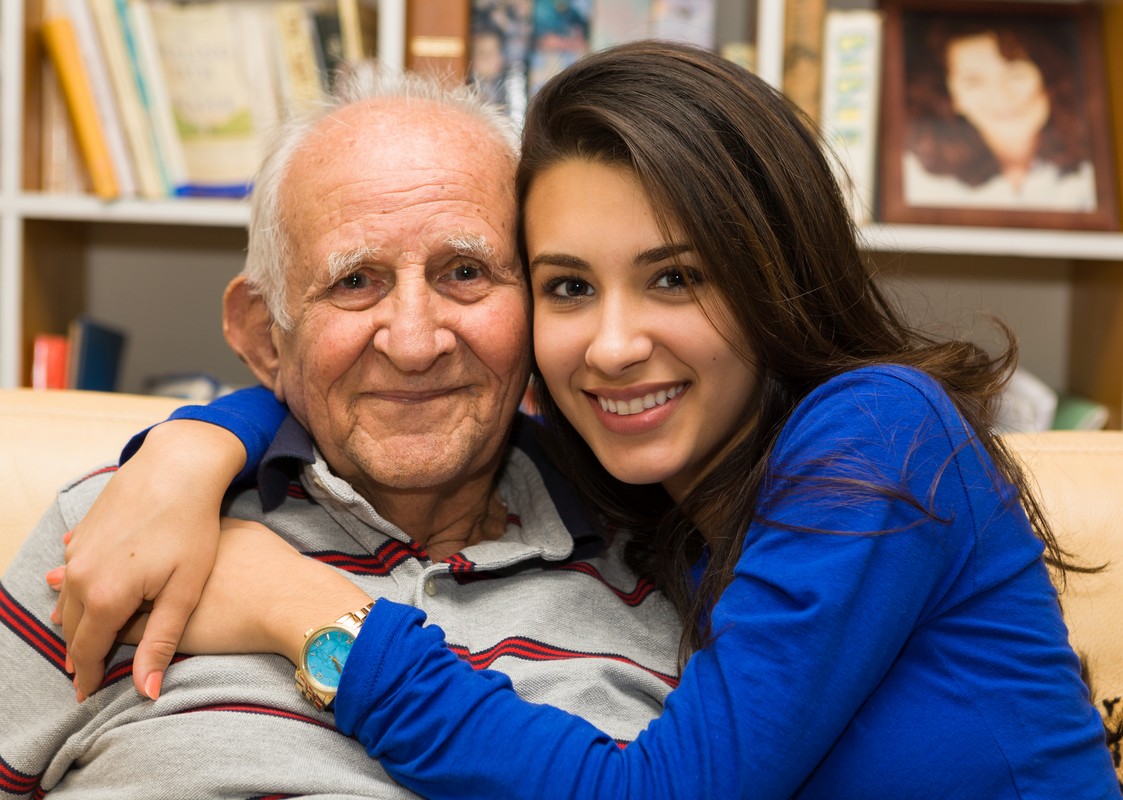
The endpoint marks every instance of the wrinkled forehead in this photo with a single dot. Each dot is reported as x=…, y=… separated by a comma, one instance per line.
x=421, y=165
x=412, y=133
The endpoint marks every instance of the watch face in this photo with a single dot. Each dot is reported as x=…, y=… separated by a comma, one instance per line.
x=324, y=657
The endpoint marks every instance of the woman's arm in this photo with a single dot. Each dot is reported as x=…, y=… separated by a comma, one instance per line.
x=152, y=534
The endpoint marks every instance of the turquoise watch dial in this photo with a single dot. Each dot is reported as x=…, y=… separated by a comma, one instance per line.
x=325, y=656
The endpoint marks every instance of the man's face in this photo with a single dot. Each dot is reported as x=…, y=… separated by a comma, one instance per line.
x=409, y=352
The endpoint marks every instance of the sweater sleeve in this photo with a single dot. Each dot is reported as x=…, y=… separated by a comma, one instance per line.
x=824, y=597
x=253, y=415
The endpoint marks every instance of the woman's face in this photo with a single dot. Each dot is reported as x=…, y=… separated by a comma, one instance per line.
x=1004, y=99
x=624, y=347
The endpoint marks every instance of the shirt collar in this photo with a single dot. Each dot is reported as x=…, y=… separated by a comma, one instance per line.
x=288, y=454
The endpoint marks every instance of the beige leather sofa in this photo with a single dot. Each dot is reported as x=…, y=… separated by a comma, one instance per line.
x=47, y=438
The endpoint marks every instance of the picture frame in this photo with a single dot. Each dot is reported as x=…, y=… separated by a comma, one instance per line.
x=995, y=114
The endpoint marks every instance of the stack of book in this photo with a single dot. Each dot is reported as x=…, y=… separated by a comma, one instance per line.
x=88, y=357
x=170, y=99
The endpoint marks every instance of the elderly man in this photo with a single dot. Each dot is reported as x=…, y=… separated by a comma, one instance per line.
x=383, y=301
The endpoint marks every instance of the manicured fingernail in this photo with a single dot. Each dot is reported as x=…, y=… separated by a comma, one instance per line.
x=70, y=667
x=55, y=576
x=152, y=685
x=66, y=537
x=54, y=615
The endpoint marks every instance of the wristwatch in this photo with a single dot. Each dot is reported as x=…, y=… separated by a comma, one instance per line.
x=323, y=655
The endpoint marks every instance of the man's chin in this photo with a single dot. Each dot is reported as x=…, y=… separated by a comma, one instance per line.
x=417, y=461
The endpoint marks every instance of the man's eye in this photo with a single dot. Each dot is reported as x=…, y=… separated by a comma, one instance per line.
x=465, y=272
x=569, y=288
x=356, y=280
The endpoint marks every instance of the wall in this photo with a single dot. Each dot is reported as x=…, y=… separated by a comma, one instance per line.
x=165, y=280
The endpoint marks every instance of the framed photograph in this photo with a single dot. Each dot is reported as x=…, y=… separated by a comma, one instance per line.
x=995, y=114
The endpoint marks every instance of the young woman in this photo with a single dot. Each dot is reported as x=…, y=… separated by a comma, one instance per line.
x=818, y=489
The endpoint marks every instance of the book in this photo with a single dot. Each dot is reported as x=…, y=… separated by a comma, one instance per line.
x=61, y=168
x=48, y=361
x=152, y=81
x=300, y=81
x=1076, y=413
x=437, y=35
x=358, y=26
x=690, y=21
x=95, y=352
x=81, y=18
x=803, y=54
x=200, y=48
x=62, y=47
x=849, y=105
x=130, y=106
x=560, y=37
x=329, y=42
x=1113, y=67
x=617, y=22
x=498, y=54
x=200, y=387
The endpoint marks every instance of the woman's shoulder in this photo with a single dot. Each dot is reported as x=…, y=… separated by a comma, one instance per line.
x=883, y=389
x=884, y=402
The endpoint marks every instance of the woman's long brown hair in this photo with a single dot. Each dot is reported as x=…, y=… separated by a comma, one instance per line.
x=734, y=165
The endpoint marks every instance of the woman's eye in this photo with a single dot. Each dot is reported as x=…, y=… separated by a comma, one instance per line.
x=678, y=278
x=570, y=288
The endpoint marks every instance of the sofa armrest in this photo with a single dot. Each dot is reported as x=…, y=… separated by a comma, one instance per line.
x=52, y=437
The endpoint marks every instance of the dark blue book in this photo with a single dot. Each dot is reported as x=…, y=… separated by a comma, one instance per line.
x=95, y=355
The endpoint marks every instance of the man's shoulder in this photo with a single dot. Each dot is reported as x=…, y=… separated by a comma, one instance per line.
x=77, y=495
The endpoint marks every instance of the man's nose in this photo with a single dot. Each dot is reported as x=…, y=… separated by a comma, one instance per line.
x=413, y=334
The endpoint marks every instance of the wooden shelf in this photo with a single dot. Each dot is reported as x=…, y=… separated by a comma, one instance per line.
x=1026, y=243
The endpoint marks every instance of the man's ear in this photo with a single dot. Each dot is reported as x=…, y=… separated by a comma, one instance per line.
x=248, y=327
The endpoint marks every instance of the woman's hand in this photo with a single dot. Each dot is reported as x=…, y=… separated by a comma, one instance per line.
x=151, y=536
x=261, y=597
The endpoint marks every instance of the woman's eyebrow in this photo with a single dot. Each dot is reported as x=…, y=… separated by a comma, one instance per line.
x=645, y=258
x=558, y=260
x=661, y=253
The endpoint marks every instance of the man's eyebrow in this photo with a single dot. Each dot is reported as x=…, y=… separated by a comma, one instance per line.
x=471, y=244
x=340, y=264
x=645, y=258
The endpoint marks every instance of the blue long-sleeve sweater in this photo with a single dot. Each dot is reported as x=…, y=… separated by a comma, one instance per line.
x=870, y=645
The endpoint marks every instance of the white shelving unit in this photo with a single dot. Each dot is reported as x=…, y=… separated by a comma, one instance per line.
x=1083, y=271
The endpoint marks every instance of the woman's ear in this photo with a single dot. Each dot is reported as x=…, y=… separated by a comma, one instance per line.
x=248, y=327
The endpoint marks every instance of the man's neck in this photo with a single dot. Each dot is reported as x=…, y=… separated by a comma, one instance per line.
x=443, y=521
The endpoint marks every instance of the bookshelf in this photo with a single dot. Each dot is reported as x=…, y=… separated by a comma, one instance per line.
x=61, y=254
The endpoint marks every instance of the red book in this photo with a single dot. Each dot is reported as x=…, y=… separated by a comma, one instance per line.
x=48, y=364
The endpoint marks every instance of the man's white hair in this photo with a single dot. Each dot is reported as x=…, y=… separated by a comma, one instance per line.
x=270, y=250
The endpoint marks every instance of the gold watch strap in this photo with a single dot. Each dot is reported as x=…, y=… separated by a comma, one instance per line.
x=352, y=621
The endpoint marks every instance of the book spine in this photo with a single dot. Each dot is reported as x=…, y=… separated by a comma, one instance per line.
x=128, y=35
x=168, y=146
x=1113, y=67
x=48, y=363
x=437, y=34
x=62, y=46
x=89, y=46
x=61, y=168
x=300, y=72
x=350, y=30
x=803, y=53
x=133, y=120
x=849, y=106
x=691, y=21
